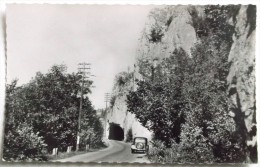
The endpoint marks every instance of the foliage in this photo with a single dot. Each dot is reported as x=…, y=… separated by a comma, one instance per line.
x=91, y=130
x=49, y=106
x=112, y=101
x=122, y=84
x=215, y=22
x=159, y=153
x=20, y=141
x=129, y=135
x=122, y=78
x=157, y=103
x=206, y=91
x=23, y=144
x=251, y=18
x=160, y=23
x=183, y=100
x=156, y=35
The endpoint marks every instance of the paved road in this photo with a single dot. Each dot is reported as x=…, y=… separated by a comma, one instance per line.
x=117, y=151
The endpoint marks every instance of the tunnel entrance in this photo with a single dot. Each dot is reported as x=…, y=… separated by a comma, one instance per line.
x=115, y=132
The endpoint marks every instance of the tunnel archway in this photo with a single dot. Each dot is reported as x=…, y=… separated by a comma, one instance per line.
x=115, y=132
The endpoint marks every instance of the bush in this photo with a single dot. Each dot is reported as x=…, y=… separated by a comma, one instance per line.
x=159, y=153
x=49, y=104
x=129, y=135
x=112, y=101
x=158, y=103
x=185, y=103
x=23, y=144
x=186, y=151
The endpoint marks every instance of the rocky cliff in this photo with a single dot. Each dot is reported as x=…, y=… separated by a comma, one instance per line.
x=172, y=24
x=117, y=113
x=241, y=78
x=170, y=28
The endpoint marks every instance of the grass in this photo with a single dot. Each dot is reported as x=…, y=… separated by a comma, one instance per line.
x=62, y=155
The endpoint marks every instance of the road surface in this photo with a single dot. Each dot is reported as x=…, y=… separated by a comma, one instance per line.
x=117, y=151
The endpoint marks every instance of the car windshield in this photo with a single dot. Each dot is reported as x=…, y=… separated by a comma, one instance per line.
x=137, y=140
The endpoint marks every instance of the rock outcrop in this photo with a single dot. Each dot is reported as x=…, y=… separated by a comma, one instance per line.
x=173, y=23
x=241, y=78
x=170, y=28
x=118, y=113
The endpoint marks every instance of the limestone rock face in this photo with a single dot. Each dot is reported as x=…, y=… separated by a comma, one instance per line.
x=174, y=24
x=118, y=113
x=241, y=78
x=175, y=29
x=168, y=29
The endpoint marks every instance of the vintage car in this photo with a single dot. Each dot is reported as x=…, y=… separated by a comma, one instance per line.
x=140, y=145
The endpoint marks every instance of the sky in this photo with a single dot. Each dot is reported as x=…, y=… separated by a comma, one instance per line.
x=39, y=36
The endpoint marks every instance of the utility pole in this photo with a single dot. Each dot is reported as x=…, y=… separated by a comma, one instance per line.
x=107, y=99
x=134, y=78
x=83, y=67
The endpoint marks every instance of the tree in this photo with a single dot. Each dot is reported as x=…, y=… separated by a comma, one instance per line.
x=129, y=135
x=91, y=129
x=183, y=100
x=205, y=91
x=24, y=144
x=20, y=141
x=53, y=100
x=157, y=103
x=215, y=22
x=46, y=109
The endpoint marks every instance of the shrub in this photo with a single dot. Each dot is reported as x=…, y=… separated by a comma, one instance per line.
x=158, y=103
x=112, y=101
x=23, y=144
x=156, y=35
x=49, y=105
x=185, y=104
x=129, y=135
x=159, y=153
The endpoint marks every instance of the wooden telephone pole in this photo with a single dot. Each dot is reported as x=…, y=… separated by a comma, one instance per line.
x=84, y=71
x=107, y=99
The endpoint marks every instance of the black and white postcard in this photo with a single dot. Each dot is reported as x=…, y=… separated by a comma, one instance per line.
x=130, y=83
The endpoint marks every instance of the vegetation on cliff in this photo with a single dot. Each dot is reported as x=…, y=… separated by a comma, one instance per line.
x=183, y=99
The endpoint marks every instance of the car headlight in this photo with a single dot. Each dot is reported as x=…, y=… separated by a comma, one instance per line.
x=133, y=147
x=140, y=145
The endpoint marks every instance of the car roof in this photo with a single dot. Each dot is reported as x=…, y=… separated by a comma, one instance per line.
x=140, y=138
